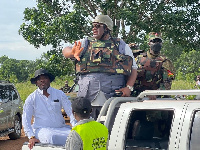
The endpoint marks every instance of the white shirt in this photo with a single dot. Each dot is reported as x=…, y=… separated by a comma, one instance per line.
x=46, y=111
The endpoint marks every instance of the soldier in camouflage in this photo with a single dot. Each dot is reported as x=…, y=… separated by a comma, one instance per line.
x=104, y=64
x=155, y=71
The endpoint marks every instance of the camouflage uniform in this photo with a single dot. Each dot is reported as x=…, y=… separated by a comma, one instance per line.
x=103, y=68
x=104, y=57
x=105, y=65
x=92, y=82
x=154, y=72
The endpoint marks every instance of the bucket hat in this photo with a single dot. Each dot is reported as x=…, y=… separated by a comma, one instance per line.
x=42, y=72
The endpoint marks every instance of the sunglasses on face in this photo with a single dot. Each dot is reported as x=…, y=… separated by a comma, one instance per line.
x=156, y=41
x=96, y=26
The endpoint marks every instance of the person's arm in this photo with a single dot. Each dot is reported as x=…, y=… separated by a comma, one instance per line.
x=132, y=78
x=126, y=92
x=66, y=103
x=74, y=141
x=67, y=52
x=27, y=116
x=26, y=121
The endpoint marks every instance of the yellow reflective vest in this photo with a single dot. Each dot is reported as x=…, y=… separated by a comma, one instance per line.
x=93, y=134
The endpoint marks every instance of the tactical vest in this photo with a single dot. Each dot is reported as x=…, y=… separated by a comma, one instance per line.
x=93, y=134
x=103, y=56
x=150, y=72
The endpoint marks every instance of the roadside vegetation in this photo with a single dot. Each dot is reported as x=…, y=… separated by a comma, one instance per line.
x=26, y=88
x=56, y=23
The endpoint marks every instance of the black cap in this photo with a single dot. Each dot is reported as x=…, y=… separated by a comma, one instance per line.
x=42, y=72
x=81, y=105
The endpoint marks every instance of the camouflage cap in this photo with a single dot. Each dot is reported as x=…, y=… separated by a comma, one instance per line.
x=154, y=35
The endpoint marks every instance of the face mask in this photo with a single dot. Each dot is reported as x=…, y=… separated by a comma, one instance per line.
x=156, y=47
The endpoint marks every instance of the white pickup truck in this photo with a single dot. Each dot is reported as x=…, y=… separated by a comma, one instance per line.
x=138, y=124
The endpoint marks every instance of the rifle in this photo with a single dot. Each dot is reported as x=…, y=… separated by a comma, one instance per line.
x=75, y=83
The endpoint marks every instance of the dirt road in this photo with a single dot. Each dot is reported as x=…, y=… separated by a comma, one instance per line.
x=7, y=144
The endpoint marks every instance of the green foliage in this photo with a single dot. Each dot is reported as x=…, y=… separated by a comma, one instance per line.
x=57, y=22
x=188, y=65
x=183, y=85
x=26, y=88
x=60, y=81
x=15, y=70
x=172, y=51
x=23, y=70
x=55, y=63
x=52, y=22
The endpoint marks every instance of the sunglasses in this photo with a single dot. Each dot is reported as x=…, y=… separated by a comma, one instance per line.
x=96, y=26
x=156, y=40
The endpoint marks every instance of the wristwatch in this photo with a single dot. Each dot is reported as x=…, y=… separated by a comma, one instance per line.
x=130, y=87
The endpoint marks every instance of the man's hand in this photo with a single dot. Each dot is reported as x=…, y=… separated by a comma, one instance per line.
x=32, y=142
x=76, y=50
x=126, y=92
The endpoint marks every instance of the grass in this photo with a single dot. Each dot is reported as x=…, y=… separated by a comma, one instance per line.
x=27, y=88
x=182, y=85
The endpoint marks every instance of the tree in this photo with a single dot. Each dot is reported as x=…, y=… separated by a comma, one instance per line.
x=188, y=65
x=55, y=21
x=55, y=63
x=15, y=70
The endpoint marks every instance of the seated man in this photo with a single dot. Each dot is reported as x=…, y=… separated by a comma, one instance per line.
x=87, y=134
x=45, y=105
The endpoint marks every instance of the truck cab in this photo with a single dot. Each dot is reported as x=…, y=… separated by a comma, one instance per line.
x=135, y=123
x=165, y=123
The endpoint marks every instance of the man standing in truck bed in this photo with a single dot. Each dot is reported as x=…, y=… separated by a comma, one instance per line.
x=155, y=71
x=105, y=65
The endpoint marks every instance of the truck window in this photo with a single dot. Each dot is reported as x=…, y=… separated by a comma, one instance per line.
x=4, y=94
x=149, y=129
x=195, y=131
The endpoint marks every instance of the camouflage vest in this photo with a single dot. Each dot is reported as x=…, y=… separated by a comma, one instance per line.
x=102, y=56
x=150, y=72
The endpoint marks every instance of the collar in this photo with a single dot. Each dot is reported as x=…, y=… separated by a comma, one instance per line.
x=84, y=121
x=48, y=90
x=150, y=55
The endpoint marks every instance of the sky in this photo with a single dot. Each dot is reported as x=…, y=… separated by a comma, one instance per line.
x=12, y=44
